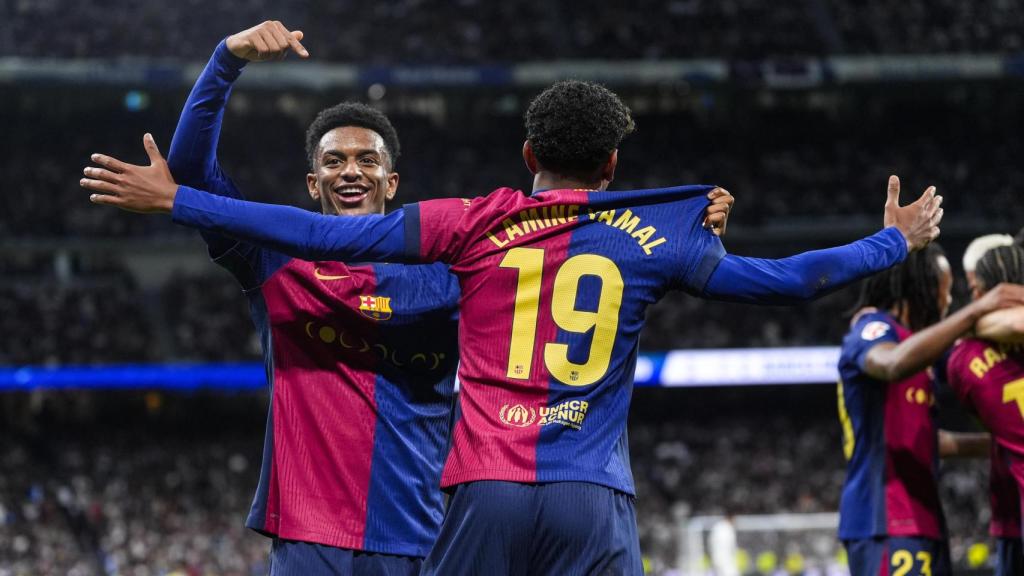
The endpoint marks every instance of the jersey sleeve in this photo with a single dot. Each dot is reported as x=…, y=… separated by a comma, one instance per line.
x=869, y=331
x=442, y=230
x=701, y=252
x=193, y=161
x=804, y=276
x=292, y=231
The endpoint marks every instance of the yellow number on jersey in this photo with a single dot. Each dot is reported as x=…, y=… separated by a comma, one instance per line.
x=926, y=562
x=530, y=263
x=902, y=562
x=849, y=440
x=1014, y=392
x=604, y=321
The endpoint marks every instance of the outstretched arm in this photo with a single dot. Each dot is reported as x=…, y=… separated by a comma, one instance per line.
x=804, y=276
x=891, y=362
x=292, y=231
x=296, y=232
x=813, y=274
x=1006, y=326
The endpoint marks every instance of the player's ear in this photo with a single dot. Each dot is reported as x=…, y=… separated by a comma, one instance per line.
x=392, y=190
x=530, y=158
x=311, y=184
x=608, y=170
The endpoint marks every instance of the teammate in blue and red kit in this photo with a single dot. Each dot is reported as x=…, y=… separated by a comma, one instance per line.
x=1004, y=497
x=360, y=404
x=988, y=377
x=555, y=285
x=890, y=517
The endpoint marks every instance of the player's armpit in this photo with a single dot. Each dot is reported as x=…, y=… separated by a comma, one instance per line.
x=1005, y=326
x=964, y=444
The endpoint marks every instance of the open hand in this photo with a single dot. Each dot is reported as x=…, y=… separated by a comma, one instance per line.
x=919, y=222
x=267, y=41
x=716, y=215
x=145, y=189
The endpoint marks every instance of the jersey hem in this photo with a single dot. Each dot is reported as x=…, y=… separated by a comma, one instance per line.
x=488, y=474
x=347, y=542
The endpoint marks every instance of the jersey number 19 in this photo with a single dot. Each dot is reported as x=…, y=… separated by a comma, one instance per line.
x=529, y=262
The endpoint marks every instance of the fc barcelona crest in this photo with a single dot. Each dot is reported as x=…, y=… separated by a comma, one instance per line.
x=376, y=307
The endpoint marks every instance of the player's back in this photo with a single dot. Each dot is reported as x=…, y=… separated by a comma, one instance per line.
x=989, y=377
x=556, y=286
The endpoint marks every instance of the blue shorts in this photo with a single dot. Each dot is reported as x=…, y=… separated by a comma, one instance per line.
x=294, y=558
x=1009, y=557
x=884, y=556
x=560, y=528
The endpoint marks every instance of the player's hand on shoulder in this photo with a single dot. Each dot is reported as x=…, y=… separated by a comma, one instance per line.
x=919, y=222
x=267, y=41
x=716, y=215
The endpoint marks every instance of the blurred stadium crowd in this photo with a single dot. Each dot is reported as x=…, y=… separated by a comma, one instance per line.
x=521, y=30
x=164, y=488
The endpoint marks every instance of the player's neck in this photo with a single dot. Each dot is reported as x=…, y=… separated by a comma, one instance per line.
x=545, y=180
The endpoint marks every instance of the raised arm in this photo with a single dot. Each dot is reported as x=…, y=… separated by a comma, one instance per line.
x=193, y=154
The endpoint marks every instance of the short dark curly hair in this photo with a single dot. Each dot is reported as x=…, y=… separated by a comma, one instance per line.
x=352, y=114
x=573, y=126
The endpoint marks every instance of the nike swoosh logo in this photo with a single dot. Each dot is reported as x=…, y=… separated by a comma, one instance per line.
x=322, y=276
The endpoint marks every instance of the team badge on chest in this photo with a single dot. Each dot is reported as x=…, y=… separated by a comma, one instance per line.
x=376, y=307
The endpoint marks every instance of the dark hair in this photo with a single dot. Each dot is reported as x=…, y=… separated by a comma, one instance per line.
x=1002, y=264
x=913, y=286
x=352, y=114
x=573, y=126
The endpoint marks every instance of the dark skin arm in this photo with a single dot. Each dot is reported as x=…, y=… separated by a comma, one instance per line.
x=1006, y=326
x=891, y=362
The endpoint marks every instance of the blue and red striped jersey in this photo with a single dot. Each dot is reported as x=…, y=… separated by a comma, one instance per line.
x=989, y=378
x=361, y=365
x=890, y=442
x=564, y=278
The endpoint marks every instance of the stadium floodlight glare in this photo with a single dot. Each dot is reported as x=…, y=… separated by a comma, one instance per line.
x=679, y=368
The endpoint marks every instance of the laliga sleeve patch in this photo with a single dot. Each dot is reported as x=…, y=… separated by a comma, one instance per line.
x=874, y=330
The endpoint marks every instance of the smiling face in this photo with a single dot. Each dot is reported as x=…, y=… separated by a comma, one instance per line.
x=352, y=172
